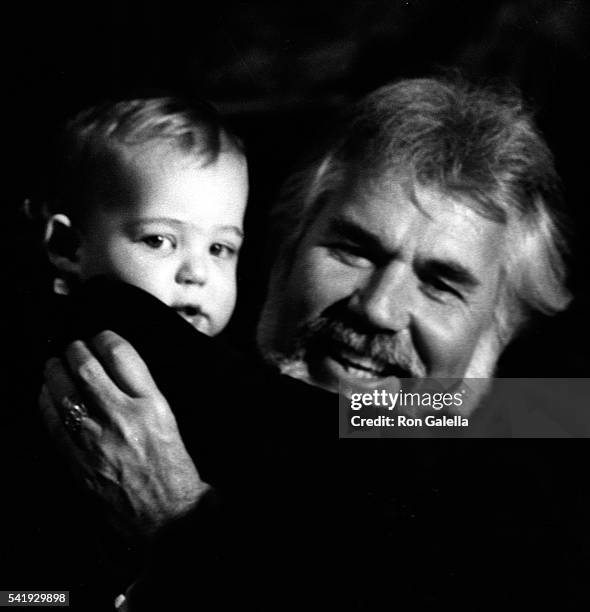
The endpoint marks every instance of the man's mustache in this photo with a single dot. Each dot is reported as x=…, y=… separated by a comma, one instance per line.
x=388, y=349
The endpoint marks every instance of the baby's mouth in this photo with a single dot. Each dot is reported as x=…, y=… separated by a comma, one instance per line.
x=193, y=315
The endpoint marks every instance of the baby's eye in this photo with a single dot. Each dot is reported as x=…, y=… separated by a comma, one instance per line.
x=223, y=251
x=159, y=242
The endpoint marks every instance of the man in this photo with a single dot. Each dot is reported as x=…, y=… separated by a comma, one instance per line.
x=420, y=242
x=416, y=245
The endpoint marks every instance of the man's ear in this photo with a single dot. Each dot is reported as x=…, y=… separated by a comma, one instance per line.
x=62, y=242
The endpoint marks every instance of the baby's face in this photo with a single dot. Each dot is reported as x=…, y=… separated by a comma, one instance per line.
x=177, y=233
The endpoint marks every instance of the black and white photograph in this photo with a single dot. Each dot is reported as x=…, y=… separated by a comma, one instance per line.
x=233, y=226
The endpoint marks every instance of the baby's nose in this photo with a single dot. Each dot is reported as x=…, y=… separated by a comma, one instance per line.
x=192, y=271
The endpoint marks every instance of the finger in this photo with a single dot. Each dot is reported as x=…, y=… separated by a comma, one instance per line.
x=124, y=364
x=59, y=382
x=57, y=431
x=59, y=386
x=94, y=383
x=81, y=461
x=49, y=414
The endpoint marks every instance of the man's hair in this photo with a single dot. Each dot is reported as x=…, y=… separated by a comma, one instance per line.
x=95, y=142
x=477, y=145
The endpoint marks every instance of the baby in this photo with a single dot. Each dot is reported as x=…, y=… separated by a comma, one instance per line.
x=153, y=193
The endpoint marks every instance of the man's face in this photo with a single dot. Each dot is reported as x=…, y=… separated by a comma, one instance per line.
x=387, y=283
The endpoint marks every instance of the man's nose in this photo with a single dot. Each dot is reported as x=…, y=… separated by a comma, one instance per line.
x=385, y=298
x=193, y=269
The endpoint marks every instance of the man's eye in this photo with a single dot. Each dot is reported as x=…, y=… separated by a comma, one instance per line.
x=439, y=288
x=222, y=251
x=350, y=255
x=159, y=242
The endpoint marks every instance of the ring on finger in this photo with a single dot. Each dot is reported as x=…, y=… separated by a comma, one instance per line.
x=74, y=412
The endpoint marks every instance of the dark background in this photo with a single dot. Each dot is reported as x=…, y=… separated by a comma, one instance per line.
x=280, y=71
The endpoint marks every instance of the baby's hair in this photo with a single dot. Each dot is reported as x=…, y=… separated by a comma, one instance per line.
x=97, y=140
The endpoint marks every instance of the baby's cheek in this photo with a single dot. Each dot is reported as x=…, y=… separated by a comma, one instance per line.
x=150, y=276
x=222, y=301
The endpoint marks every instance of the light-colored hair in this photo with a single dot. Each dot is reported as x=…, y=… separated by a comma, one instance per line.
x=96, y=140
x=477, y=145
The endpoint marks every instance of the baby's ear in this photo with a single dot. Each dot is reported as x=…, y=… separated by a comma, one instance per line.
x=62, y=242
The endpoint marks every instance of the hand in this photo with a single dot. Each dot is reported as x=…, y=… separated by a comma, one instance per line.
x=127, y=449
